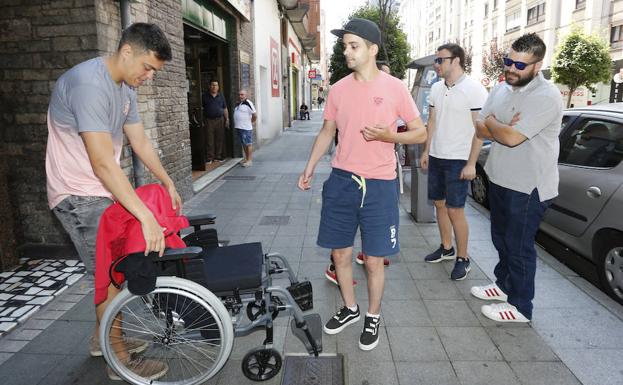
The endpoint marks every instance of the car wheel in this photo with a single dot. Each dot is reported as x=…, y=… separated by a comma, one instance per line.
x=480, y=187
x=610, y=267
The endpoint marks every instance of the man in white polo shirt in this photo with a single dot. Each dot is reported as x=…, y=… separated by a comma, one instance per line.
x=451, y=152
x=244, y=117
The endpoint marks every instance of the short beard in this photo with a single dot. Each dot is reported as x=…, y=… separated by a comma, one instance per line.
x=522, y=81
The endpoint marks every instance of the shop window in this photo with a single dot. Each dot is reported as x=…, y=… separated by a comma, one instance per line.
x=596, y=143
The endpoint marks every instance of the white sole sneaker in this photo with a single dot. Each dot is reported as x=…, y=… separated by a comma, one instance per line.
x=344, y=325
x=369, y=347
x=503, y=312
x=489, y=293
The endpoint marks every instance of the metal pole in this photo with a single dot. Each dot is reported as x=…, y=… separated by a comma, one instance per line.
x=138, y=169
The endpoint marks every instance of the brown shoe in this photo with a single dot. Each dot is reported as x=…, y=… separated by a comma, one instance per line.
x=143, y=367
x=133, y=345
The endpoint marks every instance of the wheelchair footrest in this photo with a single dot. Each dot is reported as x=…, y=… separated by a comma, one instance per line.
x=314, y=326
x=302, y=294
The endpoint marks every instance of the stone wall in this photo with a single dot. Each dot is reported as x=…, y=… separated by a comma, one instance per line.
x=38, y=42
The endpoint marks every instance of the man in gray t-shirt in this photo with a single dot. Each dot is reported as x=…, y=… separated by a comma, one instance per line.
x=92, y=106
x=522, y=117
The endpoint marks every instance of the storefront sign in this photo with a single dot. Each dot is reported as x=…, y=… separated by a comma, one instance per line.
x=274, y=68
x=311, y=74
x=204, y=17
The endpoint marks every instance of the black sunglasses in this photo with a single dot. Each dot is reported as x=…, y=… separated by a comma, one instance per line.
x=518, y=64
x=439, y=60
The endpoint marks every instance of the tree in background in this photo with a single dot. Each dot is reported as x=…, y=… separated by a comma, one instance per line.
x=394, y=50
x=581, y=60
x=492, y=63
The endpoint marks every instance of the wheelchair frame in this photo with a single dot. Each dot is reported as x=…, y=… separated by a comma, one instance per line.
x=224, y=312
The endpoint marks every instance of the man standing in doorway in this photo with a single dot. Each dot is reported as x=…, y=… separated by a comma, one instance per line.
x=91, y=107
x=362, y=190
x=216, y=119
x=244, y=117
x=522, y=117
x=451, y=152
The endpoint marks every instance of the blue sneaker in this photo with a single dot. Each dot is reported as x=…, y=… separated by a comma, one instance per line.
x=461, y=268
x=440, y=254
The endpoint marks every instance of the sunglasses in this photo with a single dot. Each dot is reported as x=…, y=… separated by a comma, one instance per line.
x=439, y=60
x=518, y=64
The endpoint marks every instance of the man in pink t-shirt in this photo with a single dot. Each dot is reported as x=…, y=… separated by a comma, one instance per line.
x=362, y=190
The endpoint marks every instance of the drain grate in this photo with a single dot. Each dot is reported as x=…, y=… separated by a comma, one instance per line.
x=275, y=220
x=239, y=177
x=324, y=370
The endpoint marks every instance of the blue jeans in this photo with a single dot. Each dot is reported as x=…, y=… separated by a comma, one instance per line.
x=515, y=219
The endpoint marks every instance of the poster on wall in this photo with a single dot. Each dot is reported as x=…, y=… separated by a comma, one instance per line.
x=274, y=68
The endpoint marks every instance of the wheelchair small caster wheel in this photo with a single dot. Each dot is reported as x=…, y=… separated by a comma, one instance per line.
x=261, y=364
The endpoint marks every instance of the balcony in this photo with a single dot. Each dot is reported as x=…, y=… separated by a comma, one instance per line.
x=300, y=19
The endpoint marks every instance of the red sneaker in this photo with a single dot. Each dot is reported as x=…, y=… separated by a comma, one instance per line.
x=331, y=276
x=361, y=259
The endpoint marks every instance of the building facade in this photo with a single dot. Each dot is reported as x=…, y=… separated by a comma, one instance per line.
x=479, y=24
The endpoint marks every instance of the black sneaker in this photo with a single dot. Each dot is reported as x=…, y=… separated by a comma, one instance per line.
x=370, y=334
x=343, y=318
x=440, y=254
x=461, y=268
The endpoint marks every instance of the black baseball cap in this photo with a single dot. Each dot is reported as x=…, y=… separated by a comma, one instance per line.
x=363, y=28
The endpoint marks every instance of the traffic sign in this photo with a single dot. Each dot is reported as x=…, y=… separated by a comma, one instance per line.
x=311, y=74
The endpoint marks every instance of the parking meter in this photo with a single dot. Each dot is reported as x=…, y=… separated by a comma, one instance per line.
x=422, y=209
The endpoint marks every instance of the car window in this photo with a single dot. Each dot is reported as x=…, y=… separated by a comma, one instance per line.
x=594, y=143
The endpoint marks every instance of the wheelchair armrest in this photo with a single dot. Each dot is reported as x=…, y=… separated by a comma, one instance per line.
x=177, y=254
x=201, y=219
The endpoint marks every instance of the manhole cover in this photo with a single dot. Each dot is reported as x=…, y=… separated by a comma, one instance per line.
x=302, y=370
x=239, y=177
x=277, y=220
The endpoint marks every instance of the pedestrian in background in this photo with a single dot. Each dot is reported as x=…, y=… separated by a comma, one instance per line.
x=91, y=107
x=362, y=190
x=304, y=112
x=451, y=152
x=244, y=117
x=216, y=117
x=523, y=118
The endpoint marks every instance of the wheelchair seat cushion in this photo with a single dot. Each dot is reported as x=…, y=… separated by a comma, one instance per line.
x=233, y=267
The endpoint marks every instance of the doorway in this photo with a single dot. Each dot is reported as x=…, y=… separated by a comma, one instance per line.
x=207, y=58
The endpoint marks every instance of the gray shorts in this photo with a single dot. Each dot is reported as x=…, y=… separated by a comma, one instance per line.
x=80, y=217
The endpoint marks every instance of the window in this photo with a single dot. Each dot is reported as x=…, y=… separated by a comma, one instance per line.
x=486, y=9
x=579, y=4
x=616, y=33
x=495, y=4
x=536, y=14
x=513, y=21
x=596, y=143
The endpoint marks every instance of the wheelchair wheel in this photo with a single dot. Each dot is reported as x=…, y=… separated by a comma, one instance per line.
x=261, y=364
x=185, y=330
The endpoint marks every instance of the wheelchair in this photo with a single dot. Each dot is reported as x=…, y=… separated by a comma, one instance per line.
x=205, y=295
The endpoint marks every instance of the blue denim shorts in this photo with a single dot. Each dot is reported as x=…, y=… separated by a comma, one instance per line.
x=350, y=202
x=80, y=217
x=246, y=136
x=445, y=183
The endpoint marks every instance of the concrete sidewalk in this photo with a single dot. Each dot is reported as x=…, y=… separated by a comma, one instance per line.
x=432, y=331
